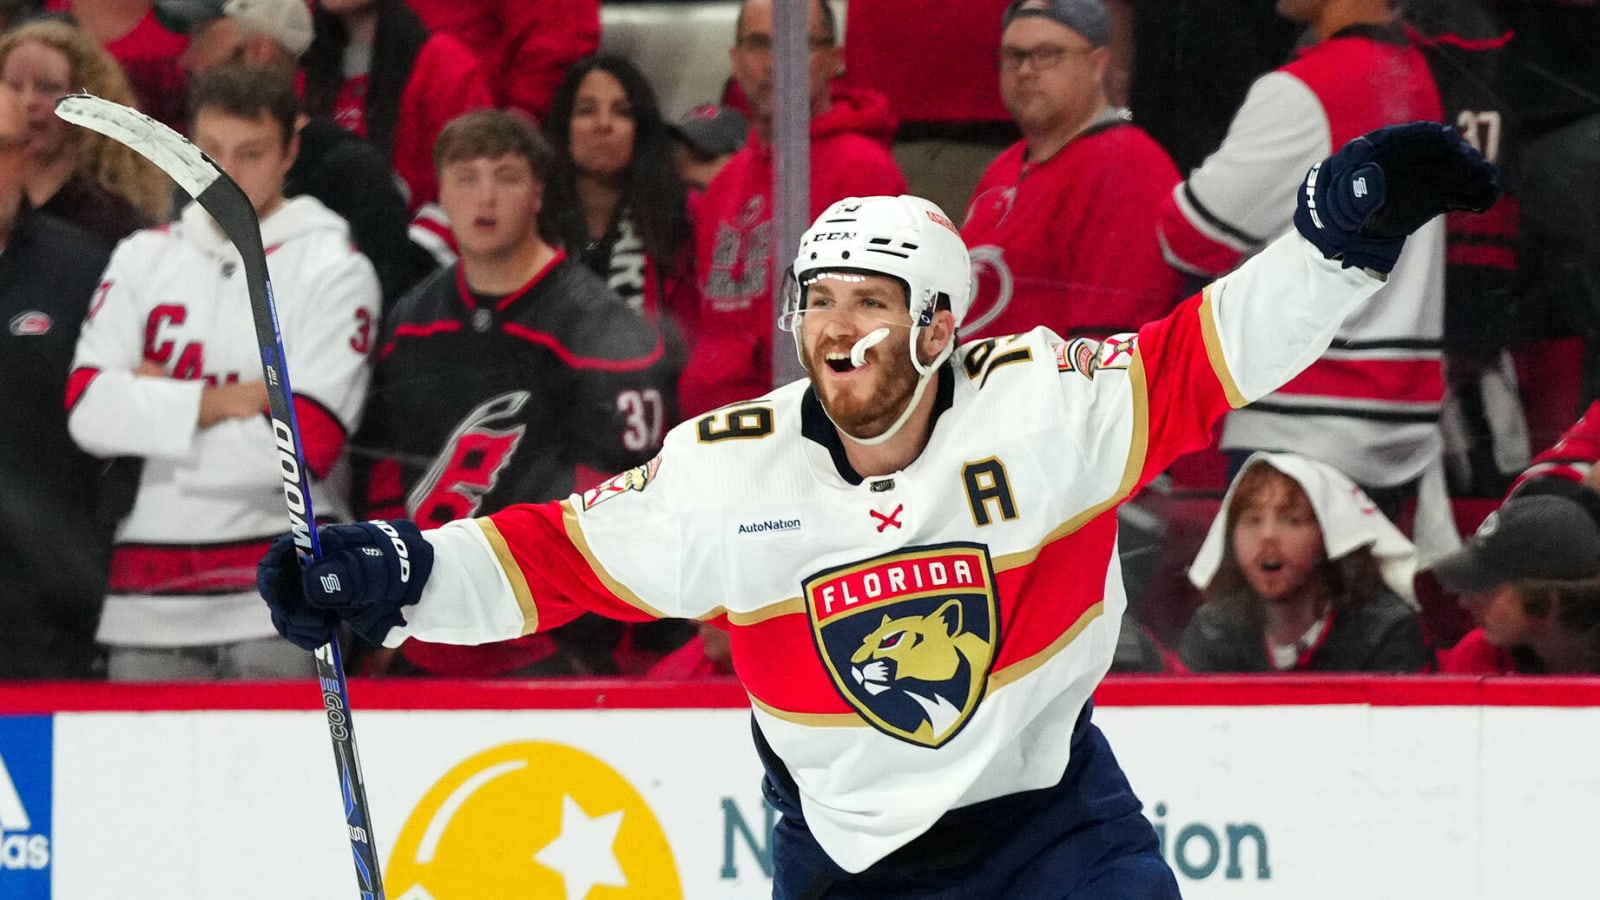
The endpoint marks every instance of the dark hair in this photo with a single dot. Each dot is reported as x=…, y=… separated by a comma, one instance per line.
x=651, y=190
x=399, y=39
x=1576, y=604
x=249, y=92
x=488, y=133
x=830, y=23
x=1351, y=580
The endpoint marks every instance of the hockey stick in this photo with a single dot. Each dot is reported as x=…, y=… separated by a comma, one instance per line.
x=211, y=187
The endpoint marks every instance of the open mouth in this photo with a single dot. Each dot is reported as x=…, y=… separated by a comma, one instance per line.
x=840, y=363
x=1271, y=565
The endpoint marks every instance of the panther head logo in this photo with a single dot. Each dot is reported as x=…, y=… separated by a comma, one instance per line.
x=928, y=658
x=909, y=637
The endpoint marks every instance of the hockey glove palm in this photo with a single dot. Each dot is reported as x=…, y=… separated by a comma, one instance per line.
x=368, y=573
x=1359, y=204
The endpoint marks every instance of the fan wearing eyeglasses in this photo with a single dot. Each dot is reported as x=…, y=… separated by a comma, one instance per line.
x=730, y=329
x=1061, y=224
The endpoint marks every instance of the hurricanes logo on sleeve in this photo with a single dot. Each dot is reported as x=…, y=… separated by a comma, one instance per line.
x=909, y=637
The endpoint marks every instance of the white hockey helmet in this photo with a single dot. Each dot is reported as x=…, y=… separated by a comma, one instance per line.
x=907, y=238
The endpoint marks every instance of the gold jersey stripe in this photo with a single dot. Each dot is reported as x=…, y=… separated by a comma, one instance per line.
x=513, y=573
x=569, y=520
x=1213, y=341
x=810, y=720
x=789, y=607
x=1138, y=446
x=1022, y=668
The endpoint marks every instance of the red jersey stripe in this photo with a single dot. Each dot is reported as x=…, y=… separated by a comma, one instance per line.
x=1383, y=380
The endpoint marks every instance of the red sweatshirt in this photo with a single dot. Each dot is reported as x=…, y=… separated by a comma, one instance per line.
x=731, y=330
x=1070, y=242
x=524, y=46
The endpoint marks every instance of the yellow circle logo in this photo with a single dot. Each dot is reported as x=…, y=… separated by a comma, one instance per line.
x=532, y=819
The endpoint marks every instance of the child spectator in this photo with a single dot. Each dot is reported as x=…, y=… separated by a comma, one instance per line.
x=73, y=173
x=1302, y=573
x=168, y=368
x=1531, y=578
x=377, y=71
x=148, y=53
x=523, y=46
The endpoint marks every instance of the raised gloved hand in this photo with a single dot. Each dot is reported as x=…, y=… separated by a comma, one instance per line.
x=1359, y=204
x=368, y=572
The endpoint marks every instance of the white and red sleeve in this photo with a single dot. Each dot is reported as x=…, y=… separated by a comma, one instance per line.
x=1243, y=194
x=110, y=410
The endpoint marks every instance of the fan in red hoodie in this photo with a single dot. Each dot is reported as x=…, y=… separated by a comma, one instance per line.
x=851, y=128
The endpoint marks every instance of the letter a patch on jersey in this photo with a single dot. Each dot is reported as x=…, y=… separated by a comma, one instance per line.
x=909, y=637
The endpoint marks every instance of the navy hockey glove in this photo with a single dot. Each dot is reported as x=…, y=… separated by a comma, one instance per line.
x=368, y=572
x=1359, y=204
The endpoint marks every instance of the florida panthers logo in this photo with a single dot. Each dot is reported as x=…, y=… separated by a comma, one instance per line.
x=909, y=637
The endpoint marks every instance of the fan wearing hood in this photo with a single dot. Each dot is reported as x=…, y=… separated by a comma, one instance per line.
x=1302, y=573
x=168, y=369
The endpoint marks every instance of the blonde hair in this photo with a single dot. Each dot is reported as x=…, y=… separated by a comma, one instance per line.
x=95, y=71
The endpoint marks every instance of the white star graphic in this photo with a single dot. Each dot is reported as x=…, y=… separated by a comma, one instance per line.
x=583, y=852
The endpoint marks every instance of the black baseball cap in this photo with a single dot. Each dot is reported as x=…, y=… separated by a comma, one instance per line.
x=712, y=130
x=1529, y=536
x=1087, y=17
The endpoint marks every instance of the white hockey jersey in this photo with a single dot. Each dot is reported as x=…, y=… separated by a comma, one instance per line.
x=209, y=500
x=921, y=641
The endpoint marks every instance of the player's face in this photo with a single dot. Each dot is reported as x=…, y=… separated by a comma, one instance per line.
x=1059, y=79
x=40, y=75
x=602, y=126
x=251, y=151
x=493, y=205
x=840, y=310
x=751, y=57
x=1277, y=541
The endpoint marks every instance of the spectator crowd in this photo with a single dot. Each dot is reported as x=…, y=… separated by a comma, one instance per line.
x=504, y=271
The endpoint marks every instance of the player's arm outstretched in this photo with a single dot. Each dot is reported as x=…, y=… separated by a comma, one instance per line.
x=1253, y=330
x=528, y=567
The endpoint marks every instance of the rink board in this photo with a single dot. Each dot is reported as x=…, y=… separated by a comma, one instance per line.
x=1285, y=788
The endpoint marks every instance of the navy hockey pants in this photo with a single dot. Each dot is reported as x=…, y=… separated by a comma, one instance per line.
x=1084, y=838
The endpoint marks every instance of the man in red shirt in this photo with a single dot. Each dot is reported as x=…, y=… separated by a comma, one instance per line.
x=731, y=330
x=1062, y=225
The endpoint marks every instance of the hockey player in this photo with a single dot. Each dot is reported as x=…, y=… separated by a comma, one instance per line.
x=915, y=549
x=167, y=368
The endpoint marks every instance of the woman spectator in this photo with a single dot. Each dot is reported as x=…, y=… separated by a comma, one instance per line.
x=73, y=173
x=1302, y=573
x=1531, y=578
x=614, y=199
x=377, y=71
x=147, y=52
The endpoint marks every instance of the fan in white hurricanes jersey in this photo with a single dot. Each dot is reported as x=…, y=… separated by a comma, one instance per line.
x=914, y=549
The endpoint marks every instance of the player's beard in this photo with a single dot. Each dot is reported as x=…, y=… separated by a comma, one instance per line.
x=895, y=382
